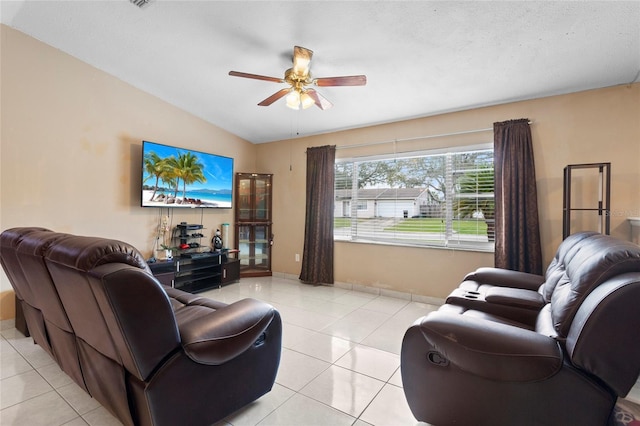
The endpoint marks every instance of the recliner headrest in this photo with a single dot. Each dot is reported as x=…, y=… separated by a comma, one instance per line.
x=10, y=238
x=567, y=249
x=597, y=260
x=86, y=253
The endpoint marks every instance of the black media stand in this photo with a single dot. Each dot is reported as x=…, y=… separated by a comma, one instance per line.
x=195, y=272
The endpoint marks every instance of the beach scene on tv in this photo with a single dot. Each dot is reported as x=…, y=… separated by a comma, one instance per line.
x=176, y=177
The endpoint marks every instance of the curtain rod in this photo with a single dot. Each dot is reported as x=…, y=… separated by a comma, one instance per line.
x=463, y=132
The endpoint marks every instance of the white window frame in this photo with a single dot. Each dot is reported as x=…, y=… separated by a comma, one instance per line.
x=448, y=238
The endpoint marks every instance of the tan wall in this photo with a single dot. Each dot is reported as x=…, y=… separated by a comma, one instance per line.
x=71, y=142
x=592, y=126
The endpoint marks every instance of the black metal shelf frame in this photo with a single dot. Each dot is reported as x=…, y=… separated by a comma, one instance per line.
x=604, y=197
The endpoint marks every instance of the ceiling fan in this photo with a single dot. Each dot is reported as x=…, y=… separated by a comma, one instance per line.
x=298, y=94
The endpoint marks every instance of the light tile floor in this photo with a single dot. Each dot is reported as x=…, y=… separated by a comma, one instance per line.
x=340, y=363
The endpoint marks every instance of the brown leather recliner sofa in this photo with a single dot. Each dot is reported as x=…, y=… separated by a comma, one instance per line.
x=150, y=354
x=513, y=348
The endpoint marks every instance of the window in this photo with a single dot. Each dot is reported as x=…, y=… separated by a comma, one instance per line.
x=433, y=198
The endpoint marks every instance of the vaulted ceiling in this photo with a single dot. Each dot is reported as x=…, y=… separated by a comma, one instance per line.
x=421, y=58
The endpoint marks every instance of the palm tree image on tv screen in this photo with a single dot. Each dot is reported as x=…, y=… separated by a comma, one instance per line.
x=177, y=177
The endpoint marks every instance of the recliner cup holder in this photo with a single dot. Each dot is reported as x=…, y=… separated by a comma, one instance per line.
x=470, y=294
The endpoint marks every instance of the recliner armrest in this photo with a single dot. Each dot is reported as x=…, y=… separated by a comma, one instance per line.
x=516, y=297
x=227, y=332
x=505, y=278
x=492, y=350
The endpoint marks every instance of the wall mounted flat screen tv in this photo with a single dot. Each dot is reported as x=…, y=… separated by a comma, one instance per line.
x=178, y=177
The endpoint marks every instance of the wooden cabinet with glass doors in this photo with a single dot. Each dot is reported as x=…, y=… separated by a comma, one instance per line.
x=253, y=223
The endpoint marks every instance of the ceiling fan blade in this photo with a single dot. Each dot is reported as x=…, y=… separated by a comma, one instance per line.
x=256, y=76
x=352, y=80
x=301, y=61
x=271, y=99
x=319, y=100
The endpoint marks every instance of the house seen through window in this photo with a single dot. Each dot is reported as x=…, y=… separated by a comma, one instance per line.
x=441, y=198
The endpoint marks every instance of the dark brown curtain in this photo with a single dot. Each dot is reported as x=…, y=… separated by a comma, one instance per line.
x=517, y=227
x=317, y=257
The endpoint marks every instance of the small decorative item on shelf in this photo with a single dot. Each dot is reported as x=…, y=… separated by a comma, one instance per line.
x=217, y=241
x=164, y=232
x=168, y=252
x=165, y=252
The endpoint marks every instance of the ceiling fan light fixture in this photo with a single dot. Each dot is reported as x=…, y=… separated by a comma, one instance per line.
x=302, y=68
x=306, y=101
x=301, y=61
x=293, y=99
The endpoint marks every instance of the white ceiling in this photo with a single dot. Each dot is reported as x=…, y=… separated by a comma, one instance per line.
x=421, y=58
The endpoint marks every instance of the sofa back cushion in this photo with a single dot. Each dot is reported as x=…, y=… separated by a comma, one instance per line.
x=70, y=262
x=138, y=314
x=599, y=258
x=603, y=338
x=31, y=251
x=565, y=252
x=10, y=239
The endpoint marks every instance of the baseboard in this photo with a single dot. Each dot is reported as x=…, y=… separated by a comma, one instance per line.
x=374, y=290
x=7, y=324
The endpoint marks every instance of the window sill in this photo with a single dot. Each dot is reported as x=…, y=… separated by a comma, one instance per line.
x=483, y=247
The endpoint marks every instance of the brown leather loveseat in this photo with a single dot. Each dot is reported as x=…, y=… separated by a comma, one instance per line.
x=510, y=348
x=150, y=354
